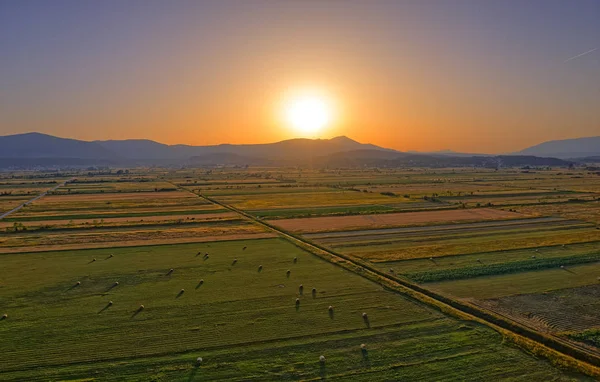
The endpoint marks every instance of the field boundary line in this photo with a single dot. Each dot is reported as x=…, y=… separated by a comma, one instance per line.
x=553, y=348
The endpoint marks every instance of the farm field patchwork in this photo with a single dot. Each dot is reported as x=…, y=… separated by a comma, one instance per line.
x=61, y=324
x=125, y=276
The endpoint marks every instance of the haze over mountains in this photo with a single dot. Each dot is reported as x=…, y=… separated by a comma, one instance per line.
x=35, y=149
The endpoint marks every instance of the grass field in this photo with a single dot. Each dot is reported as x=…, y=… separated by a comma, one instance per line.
x=58, y=329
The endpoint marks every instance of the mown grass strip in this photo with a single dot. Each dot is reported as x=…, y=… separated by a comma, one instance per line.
x=499, y=269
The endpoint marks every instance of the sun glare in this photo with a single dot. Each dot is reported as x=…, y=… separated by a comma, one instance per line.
x=308, y=114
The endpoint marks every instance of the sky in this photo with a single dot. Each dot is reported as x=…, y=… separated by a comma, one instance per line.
x=426, y=75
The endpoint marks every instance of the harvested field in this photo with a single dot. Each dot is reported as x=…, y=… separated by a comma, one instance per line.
x=137, y=243
x=562, y=310
x=115, y=221
x=387, y=220
x=117, y=235
x=308, y=199
x=589, y=211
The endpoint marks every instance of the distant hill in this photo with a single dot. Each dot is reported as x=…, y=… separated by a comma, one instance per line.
x=289, y=149
x=566, y=148
x=36, y=145
x=39, y=150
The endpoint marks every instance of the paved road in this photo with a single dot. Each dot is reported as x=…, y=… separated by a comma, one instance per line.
x=34, y=199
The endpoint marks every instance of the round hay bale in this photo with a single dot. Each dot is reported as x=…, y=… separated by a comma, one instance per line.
x=141, y=307
x=322, y=359
x=110, y=303
x=330, y=308
x=363, y=346
x=297, y=301
x=78, y=283
x=198, y=360
x=365, y=316
x=4, y=316
x=295, y=259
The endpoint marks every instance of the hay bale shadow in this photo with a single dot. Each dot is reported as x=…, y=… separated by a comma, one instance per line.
x=138, y=311
x=193, y=373
x=332, y=314
x=179, y=294
x=322, y=370
x=105, y=308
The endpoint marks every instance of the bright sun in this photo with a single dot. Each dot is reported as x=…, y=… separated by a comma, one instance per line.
x=308, y=114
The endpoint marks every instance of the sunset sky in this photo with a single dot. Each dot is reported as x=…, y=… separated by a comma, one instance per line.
x=467, y=75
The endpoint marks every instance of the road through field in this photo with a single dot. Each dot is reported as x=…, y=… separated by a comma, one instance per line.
x=563, y=347
x=34, y=199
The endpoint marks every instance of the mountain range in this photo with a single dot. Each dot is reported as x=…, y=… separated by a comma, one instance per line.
x=36, y=149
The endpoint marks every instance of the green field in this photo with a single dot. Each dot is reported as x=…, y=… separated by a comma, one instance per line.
x=57, y=329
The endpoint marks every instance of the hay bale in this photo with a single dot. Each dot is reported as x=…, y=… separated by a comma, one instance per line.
x=301, y=288
x=110, y=303
x=295, y=260
x=141, y=307
x=260, y=268
x=363, y=346
x=201, y=282
x=365, y=316
x=78, y=283
x=330, y=308
x=198, y=360
x=116, y=283
x=111, y=256
x=4, y=316
x=297, y=301
x=234, y=262
x=288, y=272
x=322, y=359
